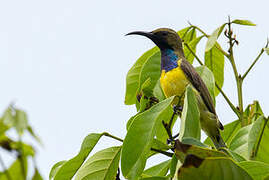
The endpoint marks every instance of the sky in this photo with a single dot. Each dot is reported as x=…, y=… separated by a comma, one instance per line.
x=65, y=62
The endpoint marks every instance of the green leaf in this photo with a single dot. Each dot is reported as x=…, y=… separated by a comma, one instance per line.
x=158, y=92
x=70, y=167
x=103, y=165
x=192, y=44
x=214, y=60
x=193, y=141
x=159, y=169
x=230, y=130
x=235, y=156
x=183, y=150
x=239, y=143
x=21, y=121
x=55, y=168
x=189, y=36
x=37, y=175
x=16, y=170
x=141, y=131
x=132, y=79
x=155, y=178
x=175, y=164
x=208, y=78
x=213, y=38
x=33, y=134
x=243, y=22
x=183, y=33
x=257, y=170
x=190, y=119
x=261, y=144
x=212, y=168
x=267, y=50
x=150, y=70
x=253, y=112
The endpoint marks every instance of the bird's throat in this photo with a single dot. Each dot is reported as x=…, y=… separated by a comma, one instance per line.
x=168, y=59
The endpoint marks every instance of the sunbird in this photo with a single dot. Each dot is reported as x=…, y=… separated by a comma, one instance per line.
x=177, y=73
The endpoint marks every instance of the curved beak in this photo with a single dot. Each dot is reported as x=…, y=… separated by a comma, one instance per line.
x=149, y=35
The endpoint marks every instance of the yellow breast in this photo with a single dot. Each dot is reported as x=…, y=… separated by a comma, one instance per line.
x=173, y=82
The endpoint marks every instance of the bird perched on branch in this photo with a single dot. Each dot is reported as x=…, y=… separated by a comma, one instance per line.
x=177, y=73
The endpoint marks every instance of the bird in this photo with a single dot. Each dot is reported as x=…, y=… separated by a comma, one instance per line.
x=177, y=73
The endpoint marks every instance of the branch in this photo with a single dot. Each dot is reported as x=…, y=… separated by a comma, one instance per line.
x=254, y=62
x=238, y=77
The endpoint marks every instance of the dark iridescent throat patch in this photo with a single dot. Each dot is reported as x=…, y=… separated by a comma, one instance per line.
x=168, y=60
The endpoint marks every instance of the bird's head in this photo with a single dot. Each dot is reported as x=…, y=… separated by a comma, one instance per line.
x=164, y=38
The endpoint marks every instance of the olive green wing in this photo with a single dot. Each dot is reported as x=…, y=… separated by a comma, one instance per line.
x=198, y=84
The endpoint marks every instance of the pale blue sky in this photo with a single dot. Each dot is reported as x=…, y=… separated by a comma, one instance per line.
x=65, y=62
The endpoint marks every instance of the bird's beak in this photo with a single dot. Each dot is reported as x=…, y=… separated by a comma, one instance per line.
x=143, y=33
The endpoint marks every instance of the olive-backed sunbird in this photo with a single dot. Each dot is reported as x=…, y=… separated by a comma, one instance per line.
x=177, y=73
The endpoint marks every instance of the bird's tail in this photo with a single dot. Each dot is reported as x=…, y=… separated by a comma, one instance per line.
x=218, y=142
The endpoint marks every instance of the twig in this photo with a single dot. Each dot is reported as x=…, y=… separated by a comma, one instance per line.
x=5, y=169
x=113, y=137
x=254, y=62
x=162, y=152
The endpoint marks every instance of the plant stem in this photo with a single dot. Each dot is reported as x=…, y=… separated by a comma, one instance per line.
x=162, y=152
x=113, y=137
x=5, y=169
x=254, y=62
x=238, y=77
x=221, y=91
x=153, y=149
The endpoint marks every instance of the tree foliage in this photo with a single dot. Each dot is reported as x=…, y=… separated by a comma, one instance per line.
x=20, y=169
x=247, y=152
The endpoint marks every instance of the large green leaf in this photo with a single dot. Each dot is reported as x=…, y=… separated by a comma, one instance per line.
x=150, y=69
x=213, y=38
x=211, y=168
x=239, y=143
x=156, y=178
x=132, y=79
x=55, y=169
x=192, y=44
x=158, y=170
x=139, y=138
x=70, y=167
x=243, y=22
x=257, y=170
x=103, y=165
x=230, y=130
x=214, y=60
x=208, y=78
x=190, y=119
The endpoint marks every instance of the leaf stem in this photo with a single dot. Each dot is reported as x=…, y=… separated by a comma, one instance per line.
x=254, y=62
x=221, y=91
x=113, y=137
x=162, y=152
x=5, y=169
x=153, y=149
